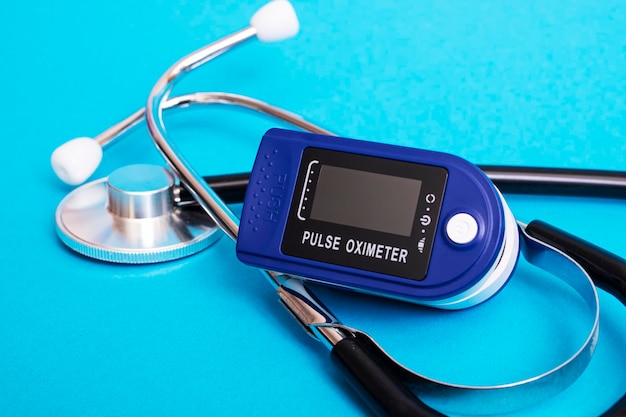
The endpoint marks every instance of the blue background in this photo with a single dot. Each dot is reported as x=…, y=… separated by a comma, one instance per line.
x=511, y=82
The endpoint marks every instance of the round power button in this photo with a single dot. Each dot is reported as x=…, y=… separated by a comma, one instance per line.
x=462, y=228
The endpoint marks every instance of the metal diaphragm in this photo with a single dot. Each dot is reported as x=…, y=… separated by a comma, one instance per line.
x=130, y=217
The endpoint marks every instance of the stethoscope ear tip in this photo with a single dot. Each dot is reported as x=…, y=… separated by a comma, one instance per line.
x=75, y=160
x=275, y=21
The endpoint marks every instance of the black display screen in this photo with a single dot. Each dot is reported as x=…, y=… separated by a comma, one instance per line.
x=365, y=212
x=365, y=199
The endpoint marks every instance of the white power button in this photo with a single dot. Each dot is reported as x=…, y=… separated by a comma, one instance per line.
x=462, y=228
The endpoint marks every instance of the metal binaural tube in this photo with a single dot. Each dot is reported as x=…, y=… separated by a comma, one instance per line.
x=207, y=198
x=118, y=130
x=299, y=301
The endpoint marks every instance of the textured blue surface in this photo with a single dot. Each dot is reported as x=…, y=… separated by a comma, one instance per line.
x=515, y=82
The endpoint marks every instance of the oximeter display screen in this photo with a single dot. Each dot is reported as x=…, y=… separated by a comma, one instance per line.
x=365, y=199
x=365, y=212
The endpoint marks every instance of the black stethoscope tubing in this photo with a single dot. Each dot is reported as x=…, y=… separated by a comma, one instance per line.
x=508, y=179
x=384, y=382
x=387, y=389
x=381, y=380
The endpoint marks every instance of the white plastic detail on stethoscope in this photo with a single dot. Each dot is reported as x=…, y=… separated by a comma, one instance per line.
x=75, y=160
x=275, y=21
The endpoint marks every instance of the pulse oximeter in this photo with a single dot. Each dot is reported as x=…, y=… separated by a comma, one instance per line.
x=399, y=222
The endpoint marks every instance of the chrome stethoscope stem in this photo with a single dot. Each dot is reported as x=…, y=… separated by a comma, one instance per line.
x=313, y=316
x=208, y=199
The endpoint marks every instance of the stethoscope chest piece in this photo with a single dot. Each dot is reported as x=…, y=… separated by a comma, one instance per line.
x=130, y=217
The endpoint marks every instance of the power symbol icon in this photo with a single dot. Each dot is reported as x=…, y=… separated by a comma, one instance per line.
x=462, y=228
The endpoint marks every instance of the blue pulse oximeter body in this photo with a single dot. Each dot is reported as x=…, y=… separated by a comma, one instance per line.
x=410, y=224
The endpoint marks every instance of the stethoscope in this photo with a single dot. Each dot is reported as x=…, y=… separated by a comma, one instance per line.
x=154, y=222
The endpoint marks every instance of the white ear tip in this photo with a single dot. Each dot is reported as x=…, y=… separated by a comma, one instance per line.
x=275, y=21
x=76, y=160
